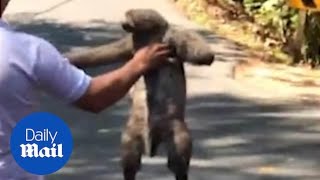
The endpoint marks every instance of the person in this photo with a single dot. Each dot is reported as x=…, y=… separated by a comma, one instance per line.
x=29, y=64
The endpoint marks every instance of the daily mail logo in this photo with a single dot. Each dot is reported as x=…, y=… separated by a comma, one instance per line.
x=33, y=150
x=41, y=143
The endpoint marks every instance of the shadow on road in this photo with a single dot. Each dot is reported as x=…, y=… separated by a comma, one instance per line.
x=234, y=139
x=67, y=36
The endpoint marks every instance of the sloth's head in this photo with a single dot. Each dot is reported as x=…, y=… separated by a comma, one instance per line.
x=145, y=25
x=143, y=21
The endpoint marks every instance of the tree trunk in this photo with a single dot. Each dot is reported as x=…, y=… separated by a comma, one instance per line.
x=298, y=39
x=312, y=38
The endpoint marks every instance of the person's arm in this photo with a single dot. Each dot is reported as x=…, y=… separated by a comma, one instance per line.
x=108, y=88
x=55, y=74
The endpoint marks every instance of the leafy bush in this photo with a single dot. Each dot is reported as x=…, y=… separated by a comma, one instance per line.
x=297, y=34
x=278, y=20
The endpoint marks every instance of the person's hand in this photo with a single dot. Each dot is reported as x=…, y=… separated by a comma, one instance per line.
x=152, y=55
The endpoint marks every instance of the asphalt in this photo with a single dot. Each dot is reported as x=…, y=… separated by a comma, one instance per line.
x=239, y=132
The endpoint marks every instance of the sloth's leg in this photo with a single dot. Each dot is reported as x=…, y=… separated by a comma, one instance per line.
x=179, y=150
x=131, y=152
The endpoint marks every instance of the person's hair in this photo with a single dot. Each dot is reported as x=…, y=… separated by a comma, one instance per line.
x=4, y=4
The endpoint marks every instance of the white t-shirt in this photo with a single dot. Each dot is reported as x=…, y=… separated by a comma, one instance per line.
x=29, y=64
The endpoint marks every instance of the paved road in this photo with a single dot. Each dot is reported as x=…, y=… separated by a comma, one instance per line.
x=237, y=136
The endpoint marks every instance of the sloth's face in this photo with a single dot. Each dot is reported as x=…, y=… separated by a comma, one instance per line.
x=143, y=21
x=146, y=26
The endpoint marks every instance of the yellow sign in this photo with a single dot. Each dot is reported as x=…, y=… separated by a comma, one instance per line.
x=305, y=4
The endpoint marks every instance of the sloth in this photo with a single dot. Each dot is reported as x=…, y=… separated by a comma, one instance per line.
x=158, y=98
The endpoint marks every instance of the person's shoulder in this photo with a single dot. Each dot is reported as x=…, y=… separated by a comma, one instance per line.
x=21, y=41
x=32, y=39
x=18, y=38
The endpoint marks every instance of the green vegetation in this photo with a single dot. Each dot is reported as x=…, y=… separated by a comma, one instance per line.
x=291, y=32
x=275, y=16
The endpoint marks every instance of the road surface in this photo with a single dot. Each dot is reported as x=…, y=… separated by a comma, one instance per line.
x=237, y=135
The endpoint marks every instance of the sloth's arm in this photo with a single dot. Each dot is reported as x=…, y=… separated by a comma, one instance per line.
x=117, y=51
x=190, y=46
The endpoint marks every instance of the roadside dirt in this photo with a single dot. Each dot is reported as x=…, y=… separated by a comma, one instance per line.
x=296, y=83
